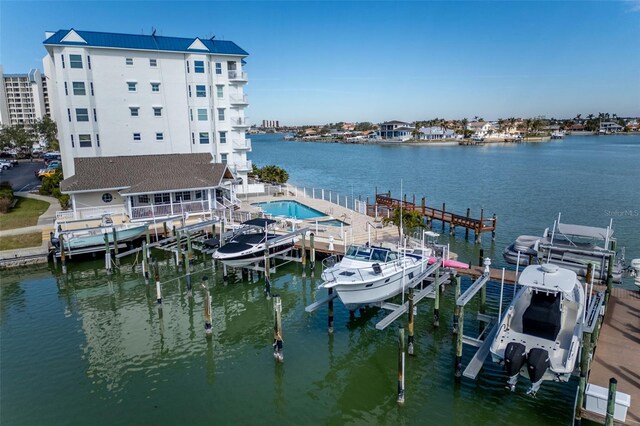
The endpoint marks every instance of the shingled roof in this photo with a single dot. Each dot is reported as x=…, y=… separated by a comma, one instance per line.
x=136, y=174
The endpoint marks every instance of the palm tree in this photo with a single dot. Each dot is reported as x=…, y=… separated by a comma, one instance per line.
x=411, y=221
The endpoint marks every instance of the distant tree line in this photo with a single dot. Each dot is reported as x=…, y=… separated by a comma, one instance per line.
x=22, y=137
x=271, y=174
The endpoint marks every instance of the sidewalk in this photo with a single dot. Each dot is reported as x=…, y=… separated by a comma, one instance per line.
x=45, y=221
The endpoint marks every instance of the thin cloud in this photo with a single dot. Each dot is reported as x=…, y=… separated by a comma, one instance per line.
x=634, y=5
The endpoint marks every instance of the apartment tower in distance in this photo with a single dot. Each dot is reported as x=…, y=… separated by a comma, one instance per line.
x=127, y=95
x=23, y=98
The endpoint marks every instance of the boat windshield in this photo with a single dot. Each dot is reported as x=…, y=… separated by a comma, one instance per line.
x=369, y=254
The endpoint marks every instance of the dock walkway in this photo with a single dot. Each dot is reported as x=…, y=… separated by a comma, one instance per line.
x=618, y=351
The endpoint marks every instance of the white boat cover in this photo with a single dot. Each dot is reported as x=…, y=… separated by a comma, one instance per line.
x=585, y=231
x=548, y=277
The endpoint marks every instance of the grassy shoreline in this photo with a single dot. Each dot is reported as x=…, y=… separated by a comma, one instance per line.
x=25, y=213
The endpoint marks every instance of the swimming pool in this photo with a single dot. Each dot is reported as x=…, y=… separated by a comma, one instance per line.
x=333, y=222
x=289, y=209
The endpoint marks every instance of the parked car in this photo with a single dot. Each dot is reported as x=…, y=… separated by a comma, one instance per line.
x=42, y=173
x=5, y=164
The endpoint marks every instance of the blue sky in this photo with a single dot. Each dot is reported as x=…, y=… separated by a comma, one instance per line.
x=317, y=62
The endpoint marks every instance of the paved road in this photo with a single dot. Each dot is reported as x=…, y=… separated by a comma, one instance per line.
x=22, y=177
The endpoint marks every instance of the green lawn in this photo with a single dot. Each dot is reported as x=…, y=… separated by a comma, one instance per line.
x=25, y=213
x=21, y=241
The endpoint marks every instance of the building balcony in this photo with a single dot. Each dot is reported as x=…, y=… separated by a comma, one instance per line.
x=172, y=209
x=242, y=145
x=239, y=101
x=239, y=77
x=240, y=123
x=242, y=166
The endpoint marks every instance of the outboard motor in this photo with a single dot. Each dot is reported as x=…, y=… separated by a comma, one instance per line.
x=515, y=355
x=537, y=364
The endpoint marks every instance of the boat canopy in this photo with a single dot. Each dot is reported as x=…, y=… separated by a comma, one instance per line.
x=585, y=231
x=548, y=277
x=261, y=222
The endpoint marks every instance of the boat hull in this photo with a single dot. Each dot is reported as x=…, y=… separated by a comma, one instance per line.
x=257, y=255
x=80, y=239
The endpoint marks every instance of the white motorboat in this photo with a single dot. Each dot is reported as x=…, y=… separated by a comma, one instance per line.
x=569, y=246
x=367, y=275
x=540, y=333
x=83, y=238
x=248, y=243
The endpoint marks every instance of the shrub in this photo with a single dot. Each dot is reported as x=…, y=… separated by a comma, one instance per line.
x=4, y=205
x=6, y=196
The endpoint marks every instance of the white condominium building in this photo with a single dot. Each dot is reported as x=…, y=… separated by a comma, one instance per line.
x=23, y=98
x=128, y=94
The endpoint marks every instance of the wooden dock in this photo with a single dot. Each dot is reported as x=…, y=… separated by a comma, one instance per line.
x=385, y=204
x=617, y=352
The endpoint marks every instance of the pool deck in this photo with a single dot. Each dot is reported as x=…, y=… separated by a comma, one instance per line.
x=360, y=225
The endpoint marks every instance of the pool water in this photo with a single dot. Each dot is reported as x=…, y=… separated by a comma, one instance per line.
x=333, y=222
x=289, y=209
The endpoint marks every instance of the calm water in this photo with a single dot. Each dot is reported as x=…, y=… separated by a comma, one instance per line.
x=88, y=348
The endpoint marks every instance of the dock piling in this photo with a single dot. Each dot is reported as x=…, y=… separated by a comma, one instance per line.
x=145, y=262
x=330, y=311
x=493, y=231
x=62, y=255
x=410, y=323
x=611, y=401
x=277, y=329
x=178, y=246
x=267, y=283
x=115, y=245
x=401, y=365
x=436, y=305
x=303, y=257
x=466, y=229
x=208, y=329
x=456, y=310
x=458, y=358
x=612, y=247
x=107, y=254
x=442, y=216
x=158, y=287
x=312, y=247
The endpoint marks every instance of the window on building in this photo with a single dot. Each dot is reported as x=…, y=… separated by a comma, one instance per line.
x=182, y=196
x=137, y=137
x=66, y=89
x=159, y=136
x=72, y=142
x=193, y=138
x=218, y=68
x=84, y=141
x=69, y=113
x=131, y=86
x=223, y=137
x=107, y=198
x=75, y=61
x=128, y=61
x=231, y=65
x=189, y=87
x=201, y=91
x=98, y=140
x=202, y=114
x=91, y=87
x=219, y=91
x=223, y=158
x=62, y=60
x=198, y=194
x=88, y=61
x=143, y=199
x=187, y=67
x=95, y=115
x=78, y=88
x=191, y=114
x=155, y=87
x=204, y=137
x=135, y=111
x=198, y=67
x=157, y=111
x=162, y=198
x=82, y=114
x=153, y=62
x=221, y=114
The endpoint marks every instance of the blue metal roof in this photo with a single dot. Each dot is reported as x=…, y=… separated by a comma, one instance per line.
x=145, y=42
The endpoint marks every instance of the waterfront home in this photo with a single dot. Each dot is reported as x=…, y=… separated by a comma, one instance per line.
x=436, y=133
x=396, y=130
x=480, y=129
x=609, y=127
x=134, y=94
x=149, y=187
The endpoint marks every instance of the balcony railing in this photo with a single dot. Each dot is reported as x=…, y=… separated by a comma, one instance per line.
x=173, y=209
x=242, y=145
x=240, y=122
x=242, y=166
x=239, y=100
x=238, y=76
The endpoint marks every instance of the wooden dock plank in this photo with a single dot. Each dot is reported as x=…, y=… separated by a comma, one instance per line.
x=618, y=349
